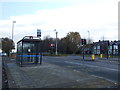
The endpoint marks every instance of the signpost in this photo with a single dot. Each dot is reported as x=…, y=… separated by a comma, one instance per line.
x=52, y=45
x=38, y=33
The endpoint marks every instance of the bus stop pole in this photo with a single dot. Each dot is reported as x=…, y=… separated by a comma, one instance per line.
x=40, y=58
x=40, y=50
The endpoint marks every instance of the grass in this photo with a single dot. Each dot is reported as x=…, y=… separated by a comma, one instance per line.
x=55, y=55
x=104, y=56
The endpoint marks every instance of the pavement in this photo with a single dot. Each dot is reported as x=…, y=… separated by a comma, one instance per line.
x=51, y=76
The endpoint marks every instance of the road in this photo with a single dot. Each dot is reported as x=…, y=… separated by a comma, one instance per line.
x=63, y=71
x=107, y=69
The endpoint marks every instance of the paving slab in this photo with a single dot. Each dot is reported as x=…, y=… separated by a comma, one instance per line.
x=52, y=76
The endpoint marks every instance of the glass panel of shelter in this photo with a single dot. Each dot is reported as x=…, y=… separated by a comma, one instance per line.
x=29, y=52
x=19, y=52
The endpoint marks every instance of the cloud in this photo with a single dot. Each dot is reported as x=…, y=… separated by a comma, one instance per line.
x=100, y=18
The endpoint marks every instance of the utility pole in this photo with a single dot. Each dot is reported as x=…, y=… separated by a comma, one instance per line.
x=56, y=42
x=88, y=37
x=13, y=28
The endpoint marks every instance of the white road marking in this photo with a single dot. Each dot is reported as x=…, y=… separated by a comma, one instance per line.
x=92, y=66
x=105, y=79
x=87, y=65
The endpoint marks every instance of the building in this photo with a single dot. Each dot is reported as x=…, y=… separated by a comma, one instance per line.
x=103, y=47
x=88, y=49
x=106, y=47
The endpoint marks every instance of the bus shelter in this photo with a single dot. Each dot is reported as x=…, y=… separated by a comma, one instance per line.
x=29, y=51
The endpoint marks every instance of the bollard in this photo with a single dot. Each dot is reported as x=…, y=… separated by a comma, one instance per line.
x=93, y=56
x=101, y=56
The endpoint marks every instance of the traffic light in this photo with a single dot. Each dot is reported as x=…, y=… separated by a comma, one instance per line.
x=108, y=43
x=83, y=41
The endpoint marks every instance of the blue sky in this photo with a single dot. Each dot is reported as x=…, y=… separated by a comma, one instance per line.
x=22, y=8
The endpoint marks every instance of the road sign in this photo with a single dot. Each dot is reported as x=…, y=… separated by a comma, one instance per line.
x=52, y=45
x=38, y=33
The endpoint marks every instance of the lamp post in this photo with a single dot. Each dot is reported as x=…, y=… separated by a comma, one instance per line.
x=56, y=42
x=13, y=28
x=88, y=37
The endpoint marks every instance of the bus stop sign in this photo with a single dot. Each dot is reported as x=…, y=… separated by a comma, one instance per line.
x=38, y=33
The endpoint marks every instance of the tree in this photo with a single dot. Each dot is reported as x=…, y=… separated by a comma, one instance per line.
x=46, y=42
x=7, y=45
x=62, y=47
x=72, y=42
x=69, y=44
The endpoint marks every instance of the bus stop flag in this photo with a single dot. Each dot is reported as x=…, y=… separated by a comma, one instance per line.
x=38, y=33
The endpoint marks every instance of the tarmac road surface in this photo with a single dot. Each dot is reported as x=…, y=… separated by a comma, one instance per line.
x=107, y=69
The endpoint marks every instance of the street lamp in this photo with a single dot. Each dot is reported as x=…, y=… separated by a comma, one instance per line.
x=56, y=41
x=88, y=37
x=13, y=28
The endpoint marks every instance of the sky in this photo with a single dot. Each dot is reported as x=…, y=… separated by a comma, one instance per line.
x=99, y=17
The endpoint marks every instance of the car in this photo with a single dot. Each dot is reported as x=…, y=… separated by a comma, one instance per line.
x=3, y=54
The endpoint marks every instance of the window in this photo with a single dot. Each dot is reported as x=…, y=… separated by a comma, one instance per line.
x=110, y=47
x=94, y=47
x=115, y=46
x=98, y=47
